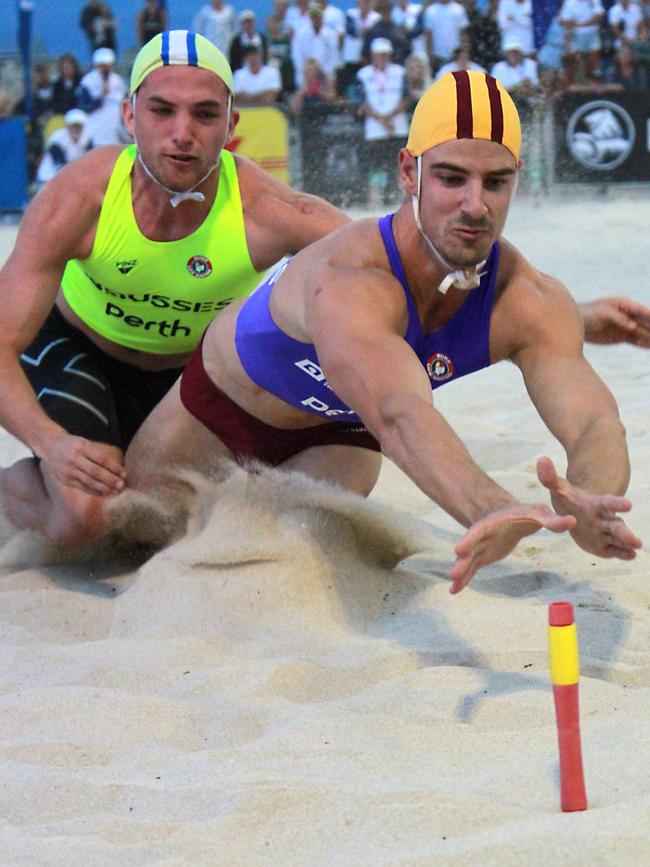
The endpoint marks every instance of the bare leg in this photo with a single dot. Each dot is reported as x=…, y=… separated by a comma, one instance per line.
x=351, y=467
x=34, y=500
x=170, y=438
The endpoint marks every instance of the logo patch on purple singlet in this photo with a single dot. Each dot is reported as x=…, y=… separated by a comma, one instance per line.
x=199, y=266
x=439, y=367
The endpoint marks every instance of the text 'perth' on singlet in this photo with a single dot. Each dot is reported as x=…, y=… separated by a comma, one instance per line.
x=290, y=369
x=160, y=296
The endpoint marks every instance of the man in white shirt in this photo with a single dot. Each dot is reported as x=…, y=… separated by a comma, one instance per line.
x=625, y=20
x=515, y=20
x=101, y=92
x=581, y=21
x=444, y=22
x=518, y=74
x=217, y=21
x=256, y=83
x=315, y=39
x=383, y=91
x=462, y=60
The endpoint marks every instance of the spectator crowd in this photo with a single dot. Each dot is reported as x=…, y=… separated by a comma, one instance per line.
x=378, y=54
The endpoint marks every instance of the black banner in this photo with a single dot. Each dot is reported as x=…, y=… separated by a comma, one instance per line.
x=332, y=152
x=602, y=138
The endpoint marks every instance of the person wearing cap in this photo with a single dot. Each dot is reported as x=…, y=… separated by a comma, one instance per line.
x=100, y=95
x=518, y=74
x=217, y=21
x=333, y=359
x=248, y=36
x=120, y=263
x=384, y=98
x=65, y=145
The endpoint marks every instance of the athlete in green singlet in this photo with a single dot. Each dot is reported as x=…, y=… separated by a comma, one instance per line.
x=120, y=264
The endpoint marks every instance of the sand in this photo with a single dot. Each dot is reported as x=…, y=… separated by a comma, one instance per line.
x=291, y=683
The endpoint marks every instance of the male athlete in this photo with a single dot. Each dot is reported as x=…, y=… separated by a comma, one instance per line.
x=332, y=360
x=120, y=263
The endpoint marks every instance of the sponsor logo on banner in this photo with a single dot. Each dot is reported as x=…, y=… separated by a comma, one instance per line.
x=600, y=135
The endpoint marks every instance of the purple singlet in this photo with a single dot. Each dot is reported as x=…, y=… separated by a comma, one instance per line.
x=291, y=371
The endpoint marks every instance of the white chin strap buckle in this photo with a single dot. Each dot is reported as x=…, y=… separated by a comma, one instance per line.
x=462, y=279
x=177, y=198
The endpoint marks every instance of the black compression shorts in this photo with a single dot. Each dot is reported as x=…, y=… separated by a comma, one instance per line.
x=86, y=391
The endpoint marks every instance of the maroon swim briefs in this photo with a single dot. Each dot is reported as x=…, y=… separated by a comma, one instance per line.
x=247, y=437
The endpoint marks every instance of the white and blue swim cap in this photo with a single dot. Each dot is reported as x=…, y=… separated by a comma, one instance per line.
x=179, y=48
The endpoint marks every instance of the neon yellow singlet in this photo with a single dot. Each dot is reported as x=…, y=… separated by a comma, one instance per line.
x=159, y=296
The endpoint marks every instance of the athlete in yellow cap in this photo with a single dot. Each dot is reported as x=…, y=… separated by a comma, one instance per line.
x=120, y=264
x=333, y=359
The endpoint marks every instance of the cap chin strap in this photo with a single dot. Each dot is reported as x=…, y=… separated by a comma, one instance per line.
x=461, y=278
x=177, y=196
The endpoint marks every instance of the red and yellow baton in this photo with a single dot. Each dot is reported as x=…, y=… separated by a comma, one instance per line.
x=563, y=654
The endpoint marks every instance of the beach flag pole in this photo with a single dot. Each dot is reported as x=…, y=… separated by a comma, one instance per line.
x=563, y=655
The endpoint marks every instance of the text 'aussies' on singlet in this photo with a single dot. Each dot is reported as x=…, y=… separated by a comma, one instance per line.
x=291, y=370
x=160, y=296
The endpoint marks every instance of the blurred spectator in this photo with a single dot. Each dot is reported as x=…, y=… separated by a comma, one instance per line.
x=518, y=74
x=42, y=97
x=316, y=87
x=515, y=20
x=64, y=89
x=626, y=22
x=386, y=28
x=217, y=21
x=581, y=21
x=278, y=44
x=550, y=59
x=104, y=28
x=315, y=39
x=42, y=92
x=64, y=145
x=482, y=37
x=462, y=60
x=358, y=20
x=248, y=35
x=279, y=18
x=444, y=23
x=628, y=72
x=382, y=89
x=151, y=21
x=410, y=16
x=417, y=79
x=101, y=92
x=92, y=10
x=297, y=15
x=256, y=83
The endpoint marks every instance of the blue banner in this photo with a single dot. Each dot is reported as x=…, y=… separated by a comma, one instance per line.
x=25, y=9
x=544, y=11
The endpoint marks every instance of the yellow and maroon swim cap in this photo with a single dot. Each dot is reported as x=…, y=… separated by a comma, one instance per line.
x=465, y=104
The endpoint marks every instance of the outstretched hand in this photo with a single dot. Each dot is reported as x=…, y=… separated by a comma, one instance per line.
x=85, y=465
x=616, y=320
x=598, y=528
x=495, y=536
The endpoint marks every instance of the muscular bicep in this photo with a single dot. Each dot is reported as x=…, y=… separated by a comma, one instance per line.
x=357, y=322
x=568, y=394
x=54, y=230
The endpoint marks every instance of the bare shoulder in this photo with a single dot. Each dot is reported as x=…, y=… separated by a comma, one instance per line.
x=533, y=308
x=350, y=270
x=280, y=220
x=59, y=219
